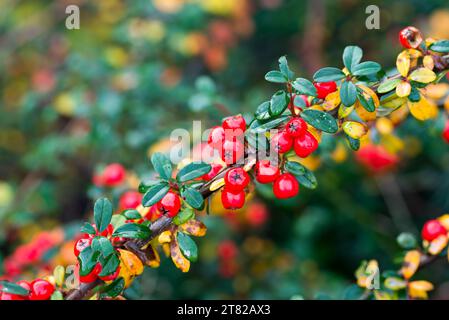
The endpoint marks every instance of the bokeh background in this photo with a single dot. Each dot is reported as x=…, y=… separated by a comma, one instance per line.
x=72, y=101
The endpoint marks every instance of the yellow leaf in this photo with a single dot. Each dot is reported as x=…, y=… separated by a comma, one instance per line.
x=332, y=101
x=217, y=184
x=423, y=109
x=392, y=143
x=361, y=111
x=339, y=154
x=366, y=272
x=354, y=129
x=59, y=275
x=423, y=75
x=395, y=283
x=444, y=220
x=436, y=91
x=403, y=89
x=428, y=62
x=394, y=102
x=398, y=115
x=194, y=228
x=178, y=259
x=384, y=126
x=130, y=266
x=418, y=289
x=446, y=104
x=410, y=264
x=382, y=295
x=344, y=111
x=153, y=259
x=437, y=245
x=165, y=237
x=403, y=63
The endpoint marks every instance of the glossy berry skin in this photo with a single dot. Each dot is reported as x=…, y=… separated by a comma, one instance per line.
x=305, y=145
x=170, y=204
x=281, y=142
x=232, y=200
x=111, y=276
x=296, y=127
x=216, y=137
x=41, y=290
x=80, y=245
x=232, y=151
x=24, y=284
x=234, y=123
x=93, y=275
x=265, y=172
x=113, y=174
x=11, y=297
x=215, y=169
x=325, y=88
x=432, y=229
x=446, y=132
x=236, y=179
x=130, y=200
x=410, y=38
x=285, y=186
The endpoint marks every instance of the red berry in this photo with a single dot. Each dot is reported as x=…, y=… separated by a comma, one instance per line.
x=111, y=276
x=170, y=204
x=232, y=151
x=234, y=123
x=446, y=132
x=232, y=200
x=265, y=172
x=24, y=284
x=106, y=232
x=324, y=88
x=303, y=97
x=113, y=174
x=154, y=213
x=9, y=296
x=432, y=229
x=257, y=214
x=281, y=142
x=376, y=158
x=215, y=169
x=93, y=275
x=81, y=244
x=216, y=137
x=227, y=250
x=410, y=38
x=130, y=200
x=296, y=127
x=285, y=186
x=305, y=145
x=236, y=179
x=41, y=290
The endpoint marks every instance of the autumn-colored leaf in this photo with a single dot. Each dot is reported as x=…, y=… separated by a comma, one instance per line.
x=428, y=62
x=153, y=259
x=437, y=245
x=403, y=63
x=178, y=259
x=194, y=228
x=423, y=75
x=411, y=263
x=354, y=129
x=395, y=283
x=403, y=89
x=423, y=109
x=344, y=111
x=384, y=126
x=165, y=237
x=419, y=289
x=130, y=266
x=217, y=184
x=332, y=101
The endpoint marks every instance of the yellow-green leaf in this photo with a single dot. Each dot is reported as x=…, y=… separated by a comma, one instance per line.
x=423, y=75
x=403, y=63
x=354, y=129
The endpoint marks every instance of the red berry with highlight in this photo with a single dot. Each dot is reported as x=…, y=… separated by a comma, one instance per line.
x=285, y=186
x=236, y=179
x=305, y=145
x=170, y=204
x=81, y=244
x=325, y=88
x=93, y=275
x=232, y=200
x=232, y=151
x=216, y=137
x=296, y=127
x=41, y=290
x=410, y=38
x=265, y=172
x=234, y=123
x=215, y=169
x=130, y=200
x=113, y=174
x=281, y=142
x=432, y=229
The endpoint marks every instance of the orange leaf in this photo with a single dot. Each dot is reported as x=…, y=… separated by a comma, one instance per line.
x=194, y=228
x=178, y=259
x=423, y=109
x=437, y=245
x=410, y=264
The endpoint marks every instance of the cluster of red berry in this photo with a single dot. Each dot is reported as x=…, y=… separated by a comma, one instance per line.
x=39, y=289
x=233, y=193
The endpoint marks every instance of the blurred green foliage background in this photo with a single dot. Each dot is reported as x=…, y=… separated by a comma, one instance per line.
x=72, y=101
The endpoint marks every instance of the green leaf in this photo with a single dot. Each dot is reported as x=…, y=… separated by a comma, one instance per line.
x=88, y=228
x=131, y=214
x=109, y=265
x=263, y=111
x=308, y=179
x=114, y=289
x=328, y=74
x=440, y=46
x=118, y=220
x=275, y=76
x=304, y=86
x=193, y=197
x=285, y=70
x=348, y=93
x=279, y=102
x=12, y=288
x=366, y=68
x=162, y=165
x=299, y=102
x=155, y=193
x=320, y=120
x=388, y=85
x=354, y=144
x=187, y=246
x=295, y=168
x=407, y=240
x=414, y=95
x=256, y=126
x=367, y=104
x=103, y=245
x=102, y=213
x=87, y=258
x=132, y=231
x=147, y=184
x=57, y=295
x=352, y=55
x=192, y=171
x=184, y=216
